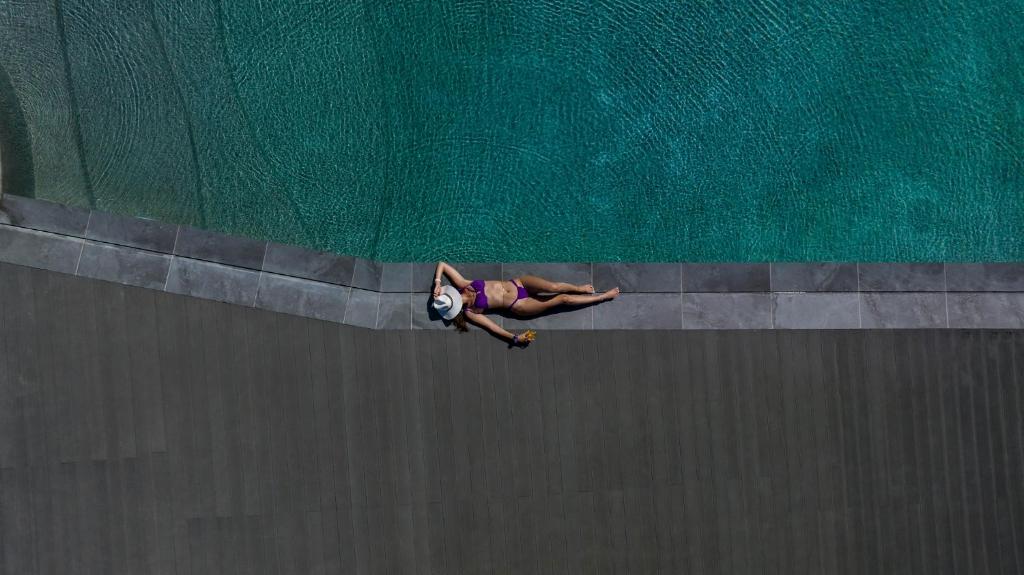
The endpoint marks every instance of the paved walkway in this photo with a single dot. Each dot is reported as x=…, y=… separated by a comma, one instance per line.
x=149, y=432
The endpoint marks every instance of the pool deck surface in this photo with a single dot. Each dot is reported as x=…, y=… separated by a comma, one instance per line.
x=385, y=295
x=143, y=431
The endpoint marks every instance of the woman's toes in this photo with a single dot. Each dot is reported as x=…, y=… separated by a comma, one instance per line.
x=610, y=294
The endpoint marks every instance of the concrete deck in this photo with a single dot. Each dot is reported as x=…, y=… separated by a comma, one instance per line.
x=149, y=432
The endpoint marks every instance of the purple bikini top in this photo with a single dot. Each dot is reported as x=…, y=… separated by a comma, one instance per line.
x=481, y=299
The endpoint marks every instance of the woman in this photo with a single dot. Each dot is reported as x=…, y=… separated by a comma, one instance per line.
x=468, y=300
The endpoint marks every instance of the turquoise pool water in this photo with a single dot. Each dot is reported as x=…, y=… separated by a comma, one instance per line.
x=533, y=130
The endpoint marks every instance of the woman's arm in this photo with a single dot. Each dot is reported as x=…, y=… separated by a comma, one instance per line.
x=488, y=324
x=457, y=280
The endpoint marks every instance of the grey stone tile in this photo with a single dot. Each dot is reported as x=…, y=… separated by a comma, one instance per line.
x=903, y=310
x=212, y=281
x=816, y=310
x=814, y=277
x=986, y=310
x=720, y=278
x=640, y=311
x=224, y=249
x=124, y=265
x=581, y=317
x=423, y=315
x=396, y=277
x=574, y=273
x=37, y=249
x=46, y=216
x=639, y=277
x=901, y=277
x=312, y=265
x=727, y=311
x=395, y=311
x=985, y=277
x=366, y=274
x=423, y=274
x=133, y=232
x=363, y=306
x=302, y=297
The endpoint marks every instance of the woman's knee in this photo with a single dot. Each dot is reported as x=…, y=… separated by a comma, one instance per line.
x=562, y=299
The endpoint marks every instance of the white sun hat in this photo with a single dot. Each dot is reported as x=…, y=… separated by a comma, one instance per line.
x=449, y=303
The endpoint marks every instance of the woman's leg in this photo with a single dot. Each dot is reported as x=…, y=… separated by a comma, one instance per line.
x=534, y=284
x=534, y=306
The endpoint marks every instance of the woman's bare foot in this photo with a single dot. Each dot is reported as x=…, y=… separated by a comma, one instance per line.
x=610, y=294
x=585, y=288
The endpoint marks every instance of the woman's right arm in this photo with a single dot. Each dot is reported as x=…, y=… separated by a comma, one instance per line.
x=457, y=279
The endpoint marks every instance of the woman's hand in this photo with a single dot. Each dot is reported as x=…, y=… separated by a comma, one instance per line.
x=437, y=288
x=524, y=339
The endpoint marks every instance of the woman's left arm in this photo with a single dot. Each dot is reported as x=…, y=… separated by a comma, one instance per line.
x=488, y=324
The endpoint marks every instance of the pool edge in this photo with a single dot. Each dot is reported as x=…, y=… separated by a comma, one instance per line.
x=390, y=295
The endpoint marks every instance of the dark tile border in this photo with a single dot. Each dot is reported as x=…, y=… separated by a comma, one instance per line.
x=367, y=293
x=903, y=310
x=220, y=248
x=639, y=278
x=40, y=249
x=125, y=265
x=132, y=232
x=726, y=278
x=1005, y=277
x=307, y=264
x=302, y=297
x=902, y=277
x=809, y=310
x=46, y=216
x=814, y=277
x=727, y=311
x=214, y=281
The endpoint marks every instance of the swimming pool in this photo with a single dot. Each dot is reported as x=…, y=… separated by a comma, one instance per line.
x=533, y=130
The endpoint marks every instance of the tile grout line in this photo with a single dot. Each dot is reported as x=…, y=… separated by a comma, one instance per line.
x=860, y=317
x=259, y=280
x=259, y=284
x=78, y=264
x=771, y=296
x=348, y=304
x=376, y=319
x=88, y=222
x=170, y=264
x=177, y=232
x=682, y=314
x=945, y=292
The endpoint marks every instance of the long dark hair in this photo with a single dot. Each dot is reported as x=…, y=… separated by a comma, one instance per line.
x=459, y=321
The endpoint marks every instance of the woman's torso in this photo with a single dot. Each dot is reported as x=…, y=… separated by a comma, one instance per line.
x=498, y=294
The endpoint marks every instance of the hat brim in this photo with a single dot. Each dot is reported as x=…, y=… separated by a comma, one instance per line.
x=456, y=302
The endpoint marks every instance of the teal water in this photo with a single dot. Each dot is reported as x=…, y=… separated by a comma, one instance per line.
x=533, y=130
